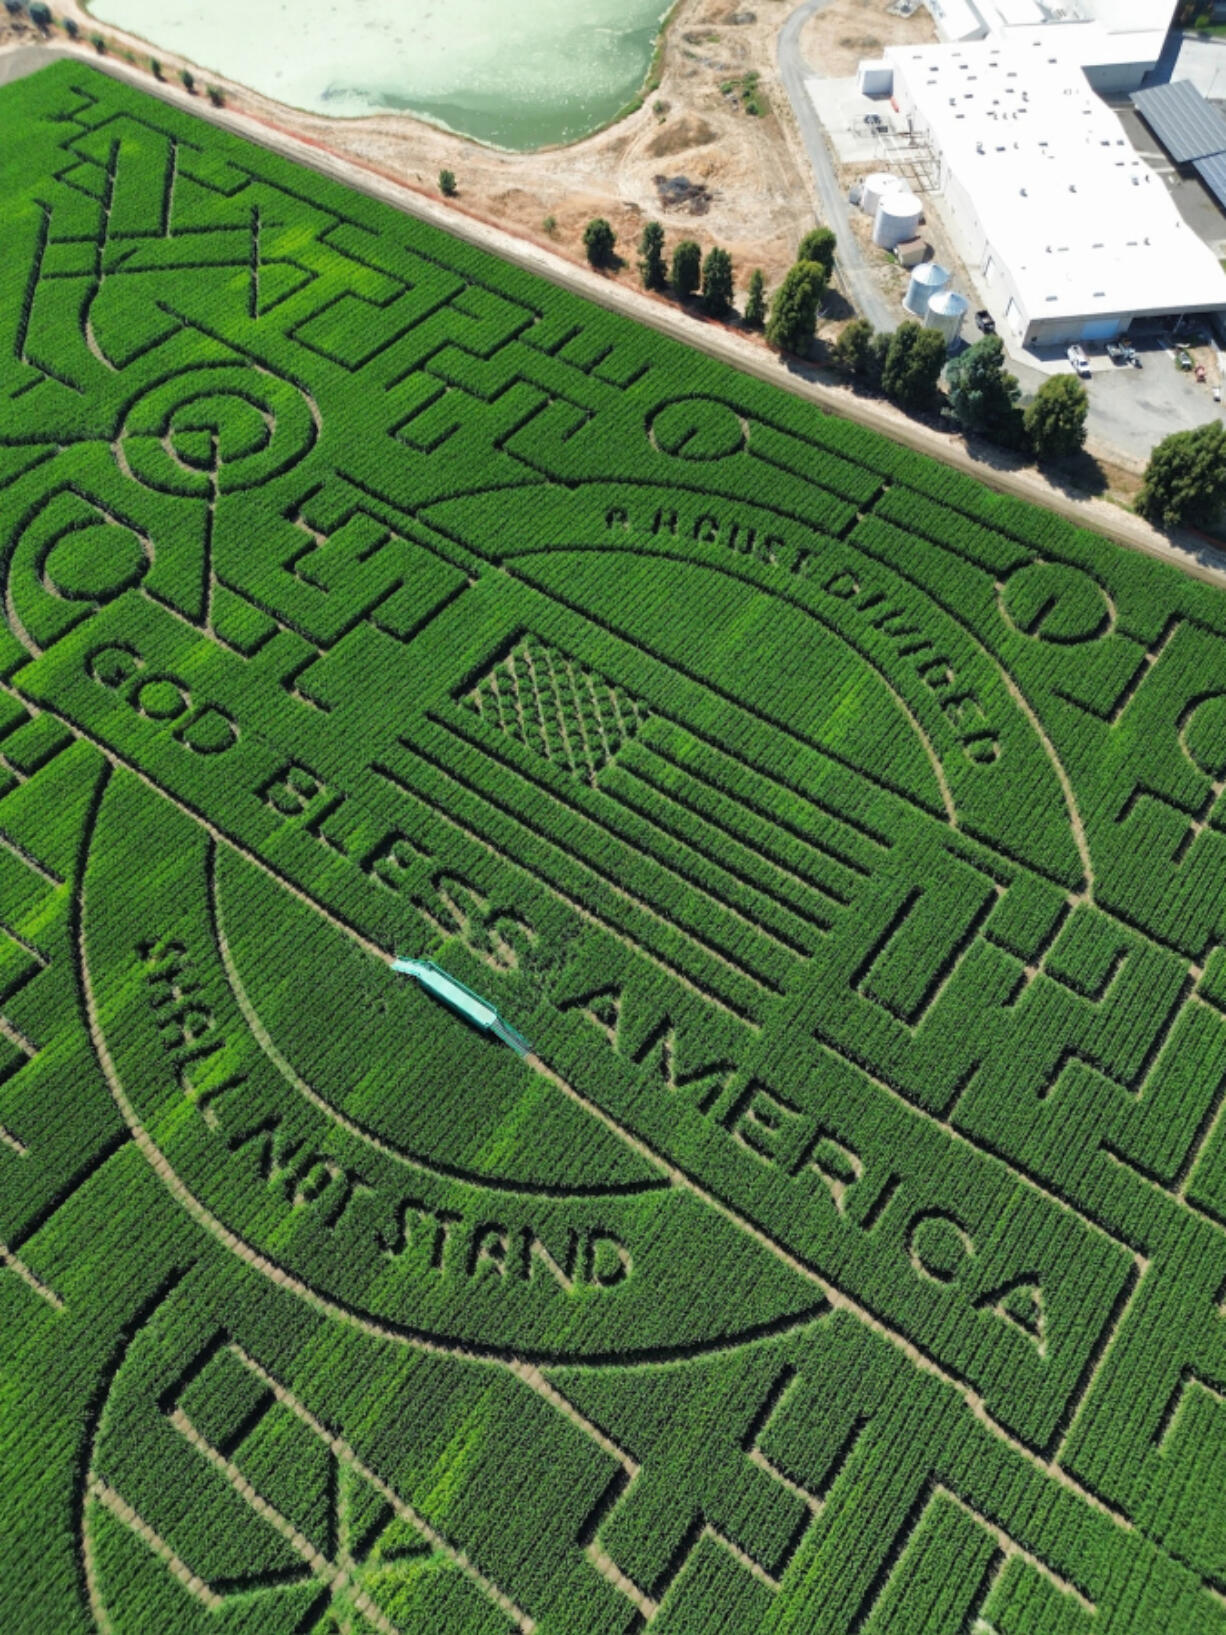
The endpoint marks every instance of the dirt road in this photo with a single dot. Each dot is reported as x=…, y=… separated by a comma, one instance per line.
x=1187, y=551
x=794, y=71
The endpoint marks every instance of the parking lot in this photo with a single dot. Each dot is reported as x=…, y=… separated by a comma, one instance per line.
x=1132, y=409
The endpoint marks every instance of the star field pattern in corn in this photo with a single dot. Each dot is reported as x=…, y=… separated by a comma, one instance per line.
x=848, y=1255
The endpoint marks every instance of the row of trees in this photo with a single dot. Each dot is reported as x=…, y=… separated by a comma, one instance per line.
x=904, y=364
x=792, y=323
x=983, y=397
x=1185, y=481
x=688, y=274
x=41, y=16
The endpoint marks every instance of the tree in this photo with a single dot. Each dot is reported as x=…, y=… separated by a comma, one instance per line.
x=447, y=185
x=550, y=225
x=877, y=351
x=651, y=256
x=188, y=78
x=215, y=95
x=598, y=240
x=1055, y=422
x=155, y=68
x=1185, y=480
x=98, y=43
x=755, y=299
x=686, y=268
x=40, y=15
x=853, y=348
x=818, y=245
x=793, y=319
x=717, y=283
x=71, y=27
x=913, y=364
x=983, y=395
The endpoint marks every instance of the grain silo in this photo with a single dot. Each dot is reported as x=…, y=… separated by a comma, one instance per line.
x=927, y=280
x=946, y=311
x=898, y=218
x=874, y=189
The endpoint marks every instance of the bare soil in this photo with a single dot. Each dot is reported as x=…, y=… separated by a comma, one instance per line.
x=760, y=199
x=760, y=205
x=837, y=38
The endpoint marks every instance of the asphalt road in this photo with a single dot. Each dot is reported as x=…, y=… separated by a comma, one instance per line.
x=832, y=206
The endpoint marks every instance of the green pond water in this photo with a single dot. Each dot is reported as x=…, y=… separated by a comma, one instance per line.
x=516, y=75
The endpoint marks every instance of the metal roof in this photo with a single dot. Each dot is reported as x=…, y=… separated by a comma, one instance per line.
x=461, y=998
x=1212, y=171
x=1188, y=126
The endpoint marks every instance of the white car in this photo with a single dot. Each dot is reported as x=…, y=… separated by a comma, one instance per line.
x=1078, y=359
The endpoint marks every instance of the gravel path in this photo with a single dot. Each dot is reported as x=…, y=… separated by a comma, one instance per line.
x=833, y=208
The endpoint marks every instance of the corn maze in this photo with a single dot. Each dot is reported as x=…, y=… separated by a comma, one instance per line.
x=849, y=1257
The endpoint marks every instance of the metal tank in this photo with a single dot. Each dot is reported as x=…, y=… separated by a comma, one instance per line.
x=874, y=189
x=927, y=280
x=898, y=218
x=946, y=312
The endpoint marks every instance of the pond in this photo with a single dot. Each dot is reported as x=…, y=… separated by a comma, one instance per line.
x=517, y=76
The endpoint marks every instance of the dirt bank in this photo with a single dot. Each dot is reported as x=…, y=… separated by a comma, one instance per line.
x=695, y=123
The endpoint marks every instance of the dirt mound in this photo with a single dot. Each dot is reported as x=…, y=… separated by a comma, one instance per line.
x=680, y=193
x=690, y=131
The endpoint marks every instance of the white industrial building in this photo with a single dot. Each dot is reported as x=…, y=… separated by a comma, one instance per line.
x=1116, y=41
x=1072, y=233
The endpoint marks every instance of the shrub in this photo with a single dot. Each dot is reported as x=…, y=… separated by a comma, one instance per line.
x=793, y=316
x=1185, y=480
x=913, y=365
x=687, y=267
x=599, y=241
x=755, y=300
x=818, y=245
x=652, y=266
x=983, y=396
x=717, y=286
x=1055, y=422
x=853, y=349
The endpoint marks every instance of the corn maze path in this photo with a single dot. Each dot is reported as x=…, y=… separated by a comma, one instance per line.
x=849, y=1255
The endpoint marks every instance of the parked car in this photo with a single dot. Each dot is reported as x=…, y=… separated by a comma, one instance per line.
x=1077, y=357
x=984, y=322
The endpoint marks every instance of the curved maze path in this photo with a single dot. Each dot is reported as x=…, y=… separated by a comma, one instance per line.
x=850, y=1254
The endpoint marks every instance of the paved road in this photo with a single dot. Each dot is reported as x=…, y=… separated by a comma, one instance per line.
x=1188, y=551
x=833, y=208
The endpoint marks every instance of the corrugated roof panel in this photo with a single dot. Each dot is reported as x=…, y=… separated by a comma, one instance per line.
x=1212, y=172
x=1188, y=127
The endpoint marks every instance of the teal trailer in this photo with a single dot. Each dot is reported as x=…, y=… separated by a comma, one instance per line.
x=463, y=1001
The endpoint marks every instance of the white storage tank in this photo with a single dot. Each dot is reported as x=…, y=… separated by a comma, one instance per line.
x=898, y=218
x=875, y=188
x=946, y=312
x=875, y=79
x=926, y=281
